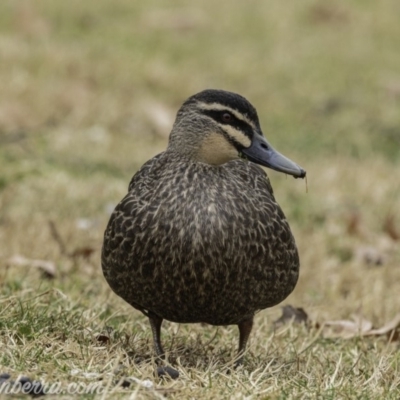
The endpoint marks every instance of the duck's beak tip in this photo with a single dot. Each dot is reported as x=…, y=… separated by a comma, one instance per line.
x=301, y=175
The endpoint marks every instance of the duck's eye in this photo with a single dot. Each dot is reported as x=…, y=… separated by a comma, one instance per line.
x=226, y=117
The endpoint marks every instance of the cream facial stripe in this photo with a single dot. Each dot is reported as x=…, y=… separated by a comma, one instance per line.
x=221, y=107
x=238, y=136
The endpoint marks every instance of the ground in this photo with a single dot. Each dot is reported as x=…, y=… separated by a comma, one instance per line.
x=88, y=93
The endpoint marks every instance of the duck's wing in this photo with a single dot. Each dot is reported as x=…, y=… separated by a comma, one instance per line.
x=127, y=221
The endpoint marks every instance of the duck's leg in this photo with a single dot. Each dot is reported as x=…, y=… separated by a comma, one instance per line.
x=155, y=323
x=245, y=327
x=162, y=370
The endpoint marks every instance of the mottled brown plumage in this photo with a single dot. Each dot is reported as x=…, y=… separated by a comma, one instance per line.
x=200, y=237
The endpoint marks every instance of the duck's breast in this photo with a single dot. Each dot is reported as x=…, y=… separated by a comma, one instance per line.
x=210, y=247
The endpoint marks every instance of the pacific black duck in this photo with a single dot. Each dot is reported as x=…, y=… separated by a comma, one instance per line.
x=200, y=237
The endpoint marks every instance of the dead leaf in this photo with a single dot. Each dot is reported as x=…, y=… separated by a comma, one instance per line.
x=346, y=329
x=328, y=14
x=387, y=329
x=289, y=314
x=353, y=223
x=47, y=268
x=390, y=228
x=359, y=326
x=84, y=252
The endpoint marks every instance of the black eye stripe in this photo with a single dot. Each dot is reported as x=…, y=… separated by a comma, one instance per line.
x=233, y=141
x=239, y=124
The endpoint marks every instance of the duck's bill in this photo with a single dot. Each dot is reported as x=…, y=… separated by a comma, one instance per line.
x=261, y=152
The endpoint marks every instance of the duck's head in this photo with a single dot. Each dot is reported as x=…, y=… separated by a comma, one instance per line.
x=215, y=126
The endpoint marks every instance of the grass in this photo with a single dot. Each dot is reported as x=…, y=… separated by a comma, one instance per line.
x=88, y=93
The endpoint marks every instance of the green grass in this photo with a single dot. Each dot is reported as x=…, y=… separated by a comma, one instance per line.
x=82, y=88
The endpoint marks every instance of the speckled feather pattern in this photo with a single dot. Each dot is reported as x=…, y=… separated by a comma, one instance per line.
x=192, y=242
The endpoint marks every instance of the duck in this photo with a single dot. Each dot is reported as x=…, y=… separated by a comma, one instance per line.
x=199, y=237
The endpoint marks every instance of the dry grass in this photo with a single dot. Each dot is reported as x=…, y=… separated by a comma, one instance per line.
x=88, y=90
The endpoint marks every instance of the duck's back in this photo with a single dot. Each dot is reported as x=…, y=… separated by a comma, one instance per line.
x=195, y=243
